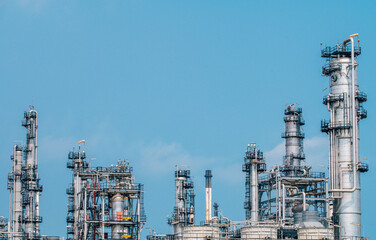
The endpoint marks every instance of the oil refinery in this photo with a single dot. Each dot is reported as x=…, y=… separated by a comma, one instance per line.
x=286, y=201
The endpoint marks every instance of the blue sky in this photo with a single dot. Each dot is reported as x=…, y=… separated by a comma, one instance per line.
x=162, y=83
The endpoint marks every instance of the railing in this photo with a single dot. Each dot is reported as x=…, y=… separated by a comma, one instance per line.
x=335, y=51
x=294, y=118
x=70, y=164
x=70, y=219
x=76, y=155
x=261, y=167
x=327, y=125
x=34, y=187
x=332, y=98
x=37, y=219
x=252, y=155
x=362, y=113
x=329, y=68
x=296, y=110
x=361, y=97
x=362, y=167
x=70, y=190
x=183, y=173
x=292, y=134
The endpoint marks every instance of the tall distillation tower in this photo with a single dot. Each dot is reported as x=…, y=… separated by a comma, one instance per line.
x=184, y=210
x=253, y=165
x=292, y=165
x=23, y=182
x=344, y=102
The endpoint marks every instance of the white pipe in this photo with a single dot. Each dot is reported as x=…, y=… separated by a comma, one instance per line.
x=102, y=216
x=283, y=201
x=85, y=218
x=304, y=201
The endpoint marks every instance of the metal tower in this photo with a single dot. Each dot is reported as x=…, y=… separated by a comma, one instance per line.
x=184, y=210
x=103, y=203
x=344, y=103
x=293, y=141
x=253, y=165
x=23, y=182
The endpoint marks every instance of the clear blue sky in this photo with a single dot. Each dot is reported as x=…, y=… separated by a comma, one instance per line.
x=162, y=83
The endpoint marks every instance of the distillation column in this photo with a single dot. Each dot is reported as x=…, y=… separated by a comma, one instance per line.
x=344, y=104
x=17, y=194
x=74, y=209
x=179, y=203
x=33, y=189
x=253, y=165
x=293, y=141
x=208, y=191
x=183, y=214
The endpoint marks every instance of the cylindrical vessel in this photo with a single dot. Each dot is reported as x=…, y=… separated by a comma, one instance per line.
x=258, y=232
x=315, y=233
x=179, y=205
x=293, y=140
x=201, y=233
x=298, y=218
x=117, y=204
x=343, y=103
x=17, y=195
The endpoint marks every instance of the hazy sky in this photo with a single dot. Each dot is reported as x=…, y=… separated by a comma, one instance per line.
x=162, y=83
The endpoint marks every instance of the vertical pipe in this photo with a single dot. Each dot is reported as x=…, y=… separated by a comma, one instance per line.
x=139, y=216
x=10, y=216
x=304, y=201
x=102, y=216
x=279, y=200
x=85, y=213
x=283, y=202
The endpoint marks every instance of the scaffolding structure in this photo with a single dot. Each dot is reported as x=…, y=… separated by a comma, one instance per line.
x=103, y=203
x=287, y=190
x=3, y=228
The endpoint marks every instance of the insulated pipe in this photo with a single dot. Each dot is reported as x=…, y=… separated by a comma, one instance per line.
x=208, y=191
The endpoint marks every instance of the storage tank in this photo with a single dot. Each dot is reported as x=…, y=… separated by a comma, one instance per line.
x=201, y=233
x=315, y=233
x=298, y=218
x=259, y=232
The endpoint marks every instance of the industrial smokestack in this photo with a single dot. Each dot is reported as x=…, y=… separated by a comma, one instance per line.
x=208, y=189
